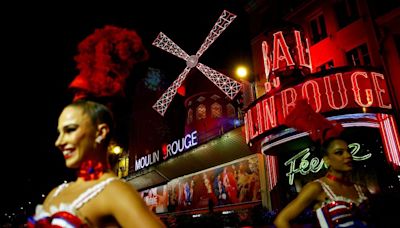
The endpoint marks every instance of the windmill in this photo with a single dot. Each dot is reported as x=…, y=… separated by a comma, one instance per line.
x=227, y=85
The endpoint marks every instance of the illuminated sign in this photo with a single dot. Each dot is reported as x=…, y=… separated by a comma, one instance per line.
x=287, y=50
x=339, y=91
x=301, y=163
x=168, y=151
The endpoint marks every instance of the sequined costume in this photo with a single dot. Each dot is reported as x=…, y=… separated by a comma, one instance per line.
x=339, y=211
x=65, y=215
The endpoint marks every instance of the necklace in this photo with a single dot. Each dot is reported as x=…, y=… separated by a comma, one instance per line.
x=91, y=170
x=338, y=179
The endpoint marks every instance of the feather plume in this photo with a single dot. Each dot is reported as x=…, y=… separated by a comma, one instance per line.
x=303, y=118
x=105, y=60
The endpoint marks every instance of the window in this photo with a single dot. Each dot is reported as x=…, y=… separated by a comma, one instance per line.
x=190, y=116
x=346, y=12
x=359, y=56
x=230, y=110
x=318, y=29
x=325, y=66
x=216, y=110
x=201, y=112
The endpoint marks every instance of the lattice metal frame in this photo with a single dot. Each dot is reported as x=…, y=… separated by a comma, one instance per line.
x=226, y=84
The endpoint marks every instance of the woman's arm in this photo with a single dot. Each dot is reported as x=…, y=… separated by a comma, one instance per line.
x=307, y=195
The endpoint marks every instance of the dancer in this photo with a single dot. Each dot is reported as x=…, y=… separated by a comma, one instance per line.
x=97, y=198
x=336, y=201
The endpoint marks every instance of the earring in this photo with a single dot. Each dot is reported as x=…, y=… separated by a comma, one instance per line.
x=99, y=139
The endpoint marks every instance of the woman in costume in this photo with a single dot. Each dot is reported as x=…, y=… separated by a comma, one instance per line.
x=336, y=201
x=97, y=198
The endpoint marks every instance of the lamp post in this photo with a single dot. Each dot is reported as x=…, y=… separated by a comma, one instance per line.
x=242, y=72
x=121, y=166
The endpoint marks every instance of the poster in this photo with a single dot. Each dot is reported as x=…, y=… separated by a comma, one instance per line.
x=233, y=183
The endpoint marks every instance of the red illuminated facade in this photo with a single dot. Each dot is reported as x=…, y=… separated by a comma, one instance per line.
x=340, y=33
x=342, y=90
x=342, y=56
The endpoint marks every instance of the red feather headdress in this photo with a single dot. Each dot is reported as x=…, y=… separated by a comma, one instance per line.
x=304, y=118
x=105, y=60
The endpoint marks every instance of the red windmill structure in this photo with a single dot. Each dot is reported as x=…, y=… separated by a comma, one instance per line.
x=229, y=86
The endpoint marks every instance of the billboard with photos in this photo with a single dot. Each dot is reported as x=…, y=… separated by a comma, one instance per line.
x=232, y=183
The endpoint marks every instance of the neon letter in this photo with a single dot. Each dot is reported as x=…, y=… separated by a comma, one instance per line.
x=252, y=129
x=341, y=90
x=379, y=90
x=300, y=52
x=317, y=94
x=267, y=61
x=280, y=44
x=356, y=90
x=285, y=103
x=269, y=113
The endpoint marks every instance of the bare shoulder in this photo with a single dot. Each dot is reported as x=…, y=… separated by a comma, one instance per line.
x=312, y=191
x=119, y=195
x=121, y=185
x=312, y=187
x=123, y=190
x=52, y=193
x=127, y=206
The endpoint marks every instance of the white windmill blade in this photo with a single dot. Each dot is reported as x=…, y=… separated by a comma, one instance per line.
x=226, y=84
x=164, y=42
x=222, y=23
x=229, y=86
x=164, y=101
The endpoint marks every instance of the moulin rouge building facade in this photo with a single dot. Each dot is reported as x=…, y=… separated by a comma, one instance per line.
x=327, y=54
x=346, y=69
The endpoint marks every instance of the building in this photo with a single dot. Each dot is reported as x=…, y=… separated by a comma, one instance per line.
x=343, y=56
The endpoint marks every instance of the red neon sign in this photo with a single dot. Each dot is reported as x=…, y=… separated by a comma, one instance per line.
x=340, y=91
x=286, y=51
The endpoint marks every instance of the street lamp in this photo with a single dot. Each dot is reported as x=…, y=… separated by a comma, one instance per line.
x=116, y=150
x=243, y=73
x=122, y=160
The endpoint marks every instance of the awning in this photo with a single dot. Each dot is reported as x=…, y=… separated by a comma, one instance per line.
x=226, y=148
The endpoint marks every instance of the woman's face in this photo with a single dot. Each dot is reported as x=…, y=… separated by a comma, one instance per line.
x=338, y=156
x=77, y=135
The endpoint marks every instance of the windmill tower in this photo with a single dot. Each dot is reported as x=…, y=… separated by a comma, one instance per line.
x=226, y=84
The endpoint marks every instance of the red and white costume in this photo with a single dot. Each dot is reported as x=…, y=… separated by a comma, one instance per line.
x=65, y=215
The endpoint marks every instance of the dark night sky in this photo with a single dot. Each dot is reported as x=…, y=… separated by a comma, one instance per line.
x=39, y=47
